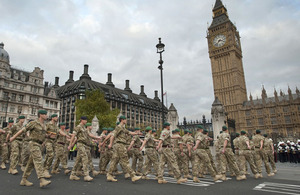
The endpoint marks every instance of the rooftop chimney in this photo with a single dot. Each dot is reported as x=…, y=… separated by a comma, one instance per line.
x=71, y=80
x=85, y=74
x=109, y=82
x=127, y=88
x=142, y=91
x=56, y=82
x=156, y=96
x=46, y=84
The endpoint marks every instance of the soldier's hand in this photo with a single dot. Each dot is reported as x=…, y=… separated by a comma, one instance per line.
x=190, y=154
x=194, y=148
x=141, y=148
x=249, y=147
x=182, y=154
x=109, y=146
x=69, y=147
x=11, y=139
x=223, y=151
x=67, y=136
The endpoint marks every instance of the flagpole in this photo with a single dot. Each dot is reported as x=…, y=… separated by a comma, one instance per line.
x=167, y=100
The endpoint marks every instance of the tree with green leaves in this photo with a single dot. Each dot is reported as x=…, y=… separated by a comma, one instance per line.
x=95, y=104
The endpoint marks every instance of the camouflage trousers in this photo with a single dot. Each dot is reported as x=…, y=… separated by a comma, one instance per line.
x=202, y=155
x=182, y=161
x=228, y=157
x=270, y=156
x=16, y=147
x=120, y=156
x=60, y=156
x=259, y=156
x=4, y=153
x=245, y=155
x=81, y=160
x=192, y=159
x=50, y=147
x=25, y=154
x=151, y=158
x=137, y=156
x=211, y=160
x=167, y=155
x=35, y=160
x=106, y=156
x=90, y=159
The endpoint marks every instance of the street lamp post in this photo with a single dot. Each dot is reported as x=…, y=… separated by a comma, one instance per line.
x=5, y=123
x=160, y=49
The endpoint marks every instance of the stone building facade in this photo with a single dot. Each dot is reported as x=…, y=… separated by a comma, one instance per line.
x=139, y=109
x=278, y=115
x=23, y=92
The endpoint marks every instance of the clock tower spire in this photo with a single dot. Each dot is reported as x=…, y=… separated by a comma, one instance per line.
x=225, y=54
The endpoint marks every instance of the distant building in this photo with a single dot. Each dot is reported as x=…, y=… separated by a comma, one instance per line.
x=139, y=109
x=23, y=92
x=278, y=115
x=192, y=125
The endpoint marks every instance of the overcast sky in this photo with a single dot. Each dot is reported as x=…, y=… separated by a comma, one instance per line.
x=119, y=37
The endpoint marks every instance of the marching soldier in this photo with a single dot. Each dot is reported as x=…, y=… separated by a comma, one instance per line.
x=3, y=144
x=101, y=150
x=269, y=152
x=25, y=154
x=37, y=136
x=245, y=155
x=201, y=154
x=52, y=130
x=106, y=153
x=120, y=152
x=82, y=140
x=150, y=152
x=167, y=155
x=188, y=142
x=259, y=154
x=16, y=145
x=60, y=150
x=228, y=156
x=135, y=145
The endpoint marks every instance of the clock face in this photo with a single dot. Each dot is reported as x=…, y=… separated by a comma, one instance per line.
x=219, y=40
x=237, y=41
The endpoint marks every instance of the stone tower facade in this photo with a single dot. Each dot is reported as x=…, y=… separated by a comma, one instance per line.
x=218, y=117
x=173, y=117
x=226, y=62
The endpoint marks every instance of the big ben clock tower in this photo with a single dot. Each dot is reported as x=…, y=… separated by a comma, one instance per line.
x=225, y=54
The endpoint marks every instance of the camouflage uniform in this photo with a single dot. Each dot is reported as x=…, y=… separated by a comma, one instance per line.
x=60, y=152
x=120, y=151
x=4, y=146
x=16, y=145
x=228, y=155
x=82, y=158
x=245, y=155
x=189, y=140
x=209, y=153
x=167, y=155
x=106, y=155
x=236, y=144
x=151, y=155
x=259, y=155
x=50, y=144
x=217, y=156
x=25, y=154
x=102, y=153
x=201, y=154
x=268, y=143
x=37, y=137
x=137, y=155
x=181, y=160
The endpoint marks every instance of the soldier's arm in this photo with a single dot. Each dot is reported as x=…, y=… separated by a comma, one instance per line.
x=2, y=131
x=272, y=147
x=93, y=136
x=159, y=144
x=189, y=149
x=261, y=144
x=16, y=135
x=131, y=144
x=63, y=134
x=143, y=145
x=197, y=144
x=106, y=138
x=225, y=145
x=111, y=141
x=71, y=141
x=248, y=144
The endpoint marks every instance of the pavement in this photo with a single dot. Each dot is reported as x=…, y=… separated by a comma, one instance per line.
x=286, y=181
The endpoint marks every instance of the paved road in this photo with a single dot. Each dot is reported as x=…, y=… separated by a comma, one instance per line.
x=285, y=182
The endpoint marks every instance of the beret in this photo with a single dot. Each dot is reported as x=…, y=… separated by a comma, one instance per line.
x=265, y=135
x=200, y=127
x=136, y=128
x=42, y=112
x=153, y=130
x=224, y=127
x=118, y=123
x=110, y=129
x=205, y=131
x=104, y=128
x=83, y=118
x=88, y=124
x=237, y=134
x=62, y=124
x=148, y=128
x=166, y=124
x=243, y=132
x=221, y=132
x=21, y=117
x=53, y=115
x=177, y=130
x=11, y=121
x=122, y=117
x=258, y=131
